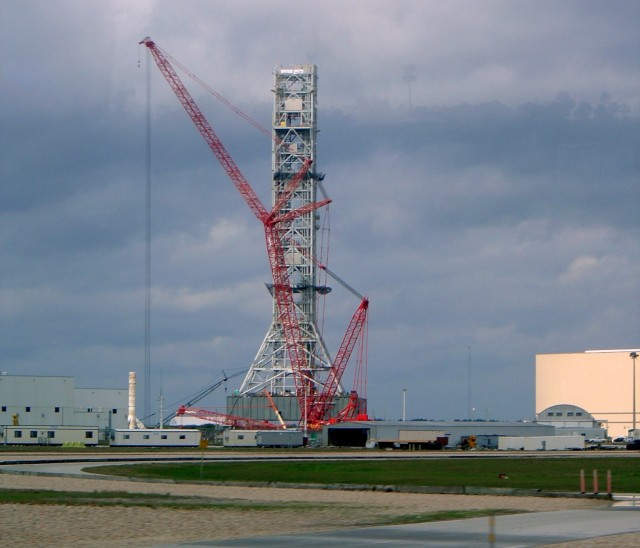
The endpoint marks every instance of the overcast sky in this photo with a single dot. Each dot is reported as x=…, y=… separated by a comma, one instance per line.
x=482, y=156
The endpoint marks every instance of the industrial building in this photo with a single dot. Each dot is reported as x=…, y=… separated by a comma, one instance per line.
x=422, y=434
x=598, y=382
x=571, y=419
x=55, y=406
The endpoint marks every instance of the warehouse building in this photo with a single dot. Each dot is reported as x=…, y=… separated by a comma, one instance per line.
x=56, y=404
x=427, y=434
x=599, y=382
x=571, y=419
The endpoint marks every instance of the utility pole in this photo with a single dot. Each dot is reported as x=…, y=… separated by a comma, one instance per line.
x=404, y=404
x=469, y=382
x=633, y=357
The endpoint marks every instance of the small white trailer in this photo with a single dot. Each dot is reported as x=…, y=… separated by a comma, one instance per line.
x=150, y=437
x=263, y=438
x=540, y=443
x=240, y=438
x=82, y=436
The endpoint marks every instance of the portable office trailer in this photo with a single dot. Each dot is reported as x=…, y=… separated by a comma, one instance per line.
x=240, y=438
x=540, y=443
x=49, y=435
x=280, y=438
x=148, y=437
x=263, y=438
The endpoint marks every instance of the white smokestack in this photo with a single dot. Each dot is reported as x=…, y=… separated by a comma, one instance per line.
x=132, y=400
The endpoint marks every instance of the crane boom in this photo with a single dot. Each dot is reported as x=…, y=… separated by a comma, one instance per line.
x=223, y=419
x=274, y=221
x=205, y=129
x=208, y=390
x=275, y=408
x=218, y=96
x=319, y=407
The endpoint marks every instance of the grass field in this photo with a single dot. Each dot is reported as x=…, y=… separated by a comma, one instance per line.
x=545, y=474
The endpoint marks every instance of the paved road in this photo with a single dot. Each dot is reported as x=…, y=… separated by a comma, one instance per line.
x=520, y=530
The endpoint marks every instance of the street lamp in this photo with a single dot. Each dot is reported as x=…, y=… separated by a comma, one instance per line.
x=633, y=356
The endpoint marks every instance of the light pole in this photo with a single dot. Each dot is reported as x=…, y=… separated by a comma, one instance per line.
x=305, y=418
x=404, y=405
x=469, y=382
x=633, y=357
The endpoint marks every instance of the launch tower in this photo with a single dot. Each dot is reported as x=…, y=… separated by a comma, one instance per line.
x=294, y=142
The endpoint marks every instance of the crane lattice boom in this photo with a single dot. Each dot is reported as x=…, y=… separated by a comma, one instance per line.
x=205, y=129
x=319, y=408
x=274, y=221
x=222, y=419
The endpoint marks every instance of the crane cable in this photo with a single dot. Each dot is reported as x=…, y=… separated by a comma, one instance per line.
x=218, y=96
x=270, y=134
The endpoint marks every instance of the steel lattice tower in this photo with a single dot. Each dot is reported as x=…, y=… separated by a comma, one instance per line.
x=294, y=132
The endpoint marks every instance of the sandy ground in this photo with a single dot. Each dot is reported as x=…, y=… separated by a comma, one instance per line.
x=60, y=525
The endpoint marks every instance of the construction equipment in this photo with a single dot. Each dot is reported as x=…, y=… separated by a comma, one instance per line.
x=468, y=442
x=208, y=390
x=276, y=222
x=275, y=409
x=224, y=419
x=318, y=407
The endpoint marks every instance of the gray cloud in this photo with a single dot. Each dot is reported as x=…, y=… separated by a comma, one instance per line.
x=499, y=212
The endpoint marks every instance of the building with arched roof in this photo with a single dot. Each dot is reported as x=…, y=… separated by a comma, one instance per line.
x=571, y=419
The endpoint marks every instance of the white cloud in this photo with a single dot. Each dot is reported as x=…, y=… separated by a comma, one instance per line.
x=579, y=268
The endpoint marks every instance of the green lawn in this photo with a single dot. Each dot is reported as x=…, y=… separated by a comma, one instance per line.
x=546, y=474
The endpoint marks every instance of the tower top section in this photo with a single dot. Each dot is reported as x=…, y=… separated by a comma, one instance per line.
x=296, y=69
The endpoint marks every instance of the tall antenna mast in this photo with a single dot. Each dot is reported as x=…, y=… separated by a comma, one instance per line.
x=147, y=252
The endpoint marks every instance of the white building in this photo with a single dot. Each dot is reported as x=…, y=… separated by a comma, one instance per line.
x=56, y=402
x=571, y=419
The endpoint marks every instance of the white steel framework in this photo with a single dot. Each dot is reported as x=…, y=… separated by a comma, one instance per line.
x=294, y=132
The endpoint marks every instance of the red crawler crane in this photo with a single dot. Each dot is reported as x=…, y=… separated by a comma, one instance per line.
x=274, y=224
x=223, y=419
x=318, y=408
